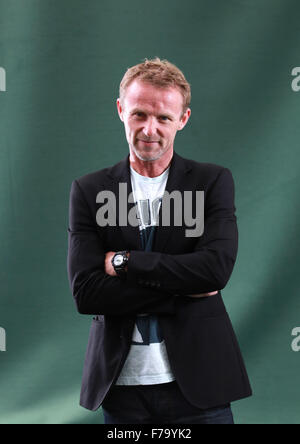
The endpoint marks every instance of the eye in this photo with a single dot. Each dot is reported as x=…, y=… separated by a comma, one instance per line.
x=139, y=114
x=164, y=118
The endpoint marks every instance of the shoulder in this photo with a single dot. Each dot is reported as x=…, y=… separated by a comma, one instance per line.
x=94, y=176
x=99, y=177
x=208, y=171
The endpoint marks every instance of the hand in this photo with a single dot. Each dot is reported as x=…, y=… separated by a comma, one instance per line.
x=202, y=295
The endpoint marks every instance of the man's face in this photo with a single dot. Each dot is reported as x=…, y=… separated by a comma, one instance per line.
x=151, y=116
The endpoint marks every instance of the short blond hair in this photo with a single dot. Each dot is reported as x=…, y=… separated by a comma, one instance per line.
x=160, y=73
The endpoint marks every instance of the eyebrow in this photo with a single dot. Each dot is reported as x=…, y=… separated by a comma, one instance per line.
x=139, y=110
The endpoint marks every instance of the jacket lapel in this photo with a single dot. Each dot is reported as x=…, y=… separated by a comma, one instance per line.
x=120, y=174
x=176, y=182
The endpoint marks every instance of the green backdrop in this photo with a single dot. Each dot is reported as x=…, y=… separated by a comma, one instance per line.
x=63, y=61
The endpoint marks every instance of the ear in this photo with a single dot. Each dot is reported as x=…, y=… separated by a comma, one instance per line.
x=120, y=109
x=184, y=119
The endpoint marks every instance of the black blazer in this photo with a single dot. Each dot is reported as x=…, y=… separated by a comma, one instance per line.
x=202, y=348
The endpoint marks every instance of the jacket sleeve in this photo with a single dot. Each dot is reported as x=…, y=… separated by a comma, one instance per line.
x=209, y=266
x=94, y=291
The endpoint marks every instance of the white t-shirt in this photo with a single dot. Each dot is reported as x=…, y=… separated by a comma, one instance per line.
x=147, y=361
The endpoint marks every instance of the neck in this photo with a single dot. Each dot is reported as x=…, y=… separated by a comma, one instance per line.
x=151, y=168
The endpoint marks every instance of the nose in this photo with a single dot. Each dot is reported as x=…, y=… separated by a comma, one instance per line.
x=149, y=127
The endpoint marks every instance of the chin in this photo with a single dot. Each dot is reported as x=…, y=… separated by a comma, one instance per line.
x=148, y=156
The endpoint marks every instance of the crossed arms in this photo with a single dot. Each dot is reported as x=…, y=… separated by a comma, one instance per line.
x=199, y=273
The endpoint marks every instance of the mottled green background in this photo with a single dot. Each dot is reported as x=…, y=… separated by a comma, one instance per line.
x=64, y=60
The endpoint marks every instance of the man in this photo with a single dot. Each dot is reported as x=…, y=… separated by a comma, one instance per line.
x=161, y=346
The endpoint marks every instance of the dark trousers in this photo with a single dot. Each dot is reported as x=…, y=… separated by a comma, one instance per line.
x=158, y=404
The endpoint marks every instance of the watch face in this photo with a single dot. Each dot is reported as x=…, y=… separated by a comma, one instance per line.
x=118, y=260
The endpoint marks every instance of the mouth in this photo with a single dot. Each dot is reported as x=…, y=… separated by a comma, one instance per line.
x=149, y=142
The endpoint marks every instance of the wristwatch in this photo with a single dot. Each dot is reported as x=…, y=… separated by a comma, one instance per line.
x=119, y=262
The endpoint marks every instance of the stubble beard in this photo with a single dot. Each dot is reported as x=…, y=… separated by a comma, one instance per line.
x=150, y=157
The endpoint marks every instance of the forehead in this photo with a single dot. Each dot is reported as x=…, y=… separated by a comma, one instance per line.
x=144, y=95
